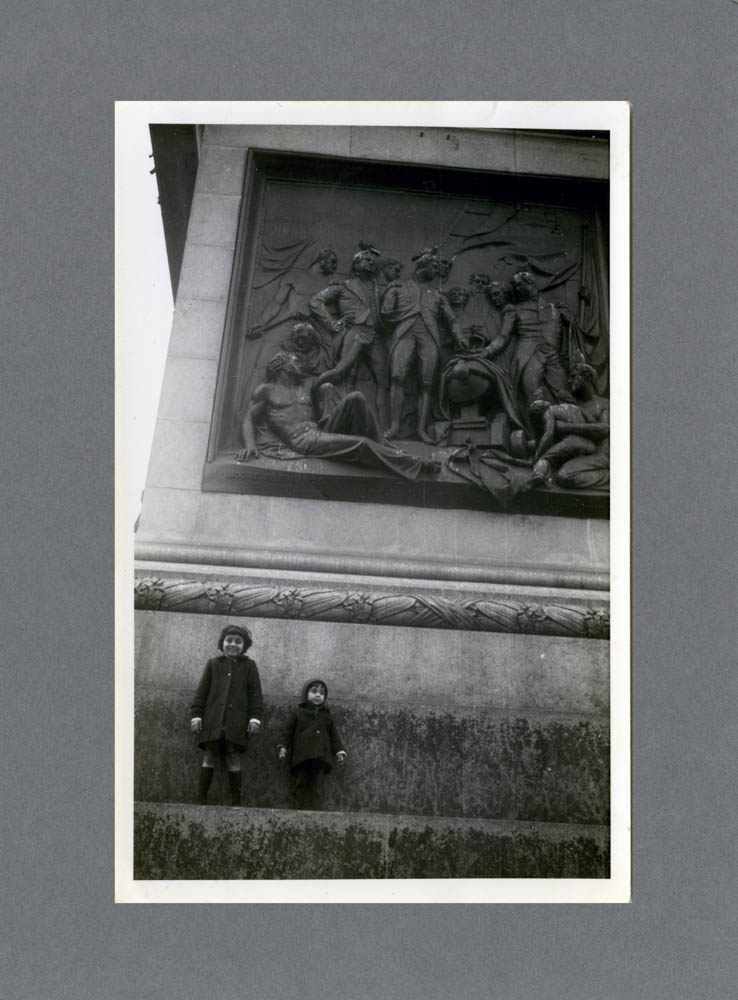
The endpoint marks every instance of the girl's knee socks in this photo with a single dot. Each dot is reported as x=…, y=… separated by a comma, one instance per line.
x=206, y=777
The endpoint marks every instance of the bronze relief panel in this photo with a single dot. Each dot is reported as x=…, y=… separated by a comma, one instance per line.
x=398, y=333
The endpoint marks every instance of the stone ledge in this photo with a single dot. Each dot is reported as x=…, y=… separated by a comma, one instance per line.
x=200, y=528
x=196, y=842
x=526, y=151
x=344, y=563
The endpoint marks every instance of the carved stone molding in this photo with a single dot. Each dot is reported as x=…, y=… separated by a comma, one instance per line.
x=215, y=597
x=339, y=562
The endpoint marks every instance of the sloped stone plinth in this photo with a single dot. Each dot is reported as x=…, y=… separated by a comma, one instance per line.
x=173, y=841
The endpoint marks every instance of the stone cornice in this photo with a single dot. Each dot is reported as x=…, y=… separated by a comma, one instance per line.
x=353, y=564
x=224, y=597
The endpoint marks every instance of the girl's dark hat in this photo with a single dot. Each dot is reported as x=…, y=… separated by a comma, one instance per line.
x=236, y=630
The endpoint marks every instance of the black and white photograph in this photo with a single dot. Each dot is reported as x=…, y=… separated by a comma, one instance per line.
x=372, y=512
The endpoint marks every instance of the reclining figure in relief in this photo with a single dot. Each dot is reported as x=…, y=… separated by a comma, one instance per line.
x=298, y=414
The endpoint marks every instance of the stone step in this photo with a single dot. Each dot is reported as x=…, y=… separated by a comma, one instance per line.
x=175, y=841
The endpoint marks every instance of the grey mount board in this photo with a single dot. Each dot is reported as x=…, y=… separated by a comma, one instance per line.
x=64, y=67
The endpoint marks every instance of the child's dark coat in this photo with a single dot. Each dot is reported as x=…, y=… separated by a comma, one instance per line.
x=310, y=733
x=229, y=694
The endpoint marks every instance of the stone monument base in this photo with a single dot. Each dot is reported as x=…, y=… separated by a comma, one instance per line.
x=206, y=842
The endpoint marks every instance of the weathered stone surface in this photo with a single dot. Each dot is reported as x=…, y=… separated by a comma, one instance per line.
x=203, y=842
x=178, y=453
x=197, y=329
x=503, y=150
x=366, y=665
x=459, y=851
x=327, y=139
x=397, y=532
x=206, y=272
x=214, y=219
x=537, y=154
x=417, y=761
x=187, y=389
x=172, y=514
x=441, y=147
x=220, y=170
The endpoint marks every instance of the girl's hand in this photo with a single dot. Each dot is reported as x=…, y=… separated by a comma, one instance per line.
x=196, y=725
x=341, y=758
x=283, y=753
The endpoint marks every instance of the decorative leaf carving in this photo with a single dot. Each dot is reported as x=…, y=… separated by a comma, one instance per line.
x=411, y=610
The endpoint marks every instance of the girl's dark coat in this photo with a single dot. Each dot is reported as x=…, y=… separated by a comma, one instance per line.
x=310, y=734
x=229, y=694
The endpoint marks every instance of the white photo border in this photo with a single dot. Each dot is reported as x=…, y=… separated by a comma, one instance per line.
x=612, y=116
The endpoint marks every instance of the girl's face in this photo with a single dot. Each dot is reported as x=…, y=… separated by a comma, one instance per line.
x=233, y=644
x=316, y=694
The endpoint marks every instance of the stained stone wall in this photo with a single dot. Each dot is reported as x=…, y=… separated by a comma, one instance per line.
x=503, y=717
x=436, y=723
x=176, y=842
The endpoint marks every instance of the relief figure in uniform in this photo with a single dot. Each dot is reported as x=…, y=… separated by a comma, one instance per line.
x=444, y=271
x=390, y=270
x=350, y=309
x=531, y=328
x=458, y=298
x=416, y=311
x=483, y=309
